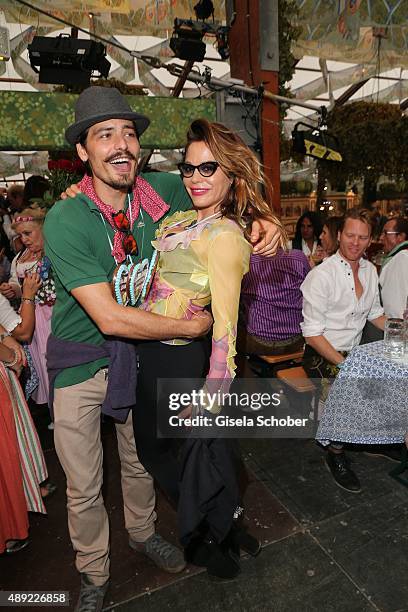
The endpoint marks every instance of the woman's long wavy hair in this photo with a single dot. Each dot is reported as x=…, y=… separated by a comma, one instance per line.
x=333, y=225
x=250, y=195
x=315, y=220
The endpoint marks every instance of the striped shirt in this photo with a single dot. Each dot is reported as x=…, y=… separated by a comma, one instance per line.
x=271, y=300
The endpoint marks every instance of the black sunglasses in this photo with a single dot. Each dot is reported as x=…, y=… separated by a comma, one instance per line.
x=206, y=169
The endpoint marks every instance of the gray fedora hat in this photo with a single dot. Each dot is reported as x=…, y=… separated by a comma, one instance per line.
x=97, y=104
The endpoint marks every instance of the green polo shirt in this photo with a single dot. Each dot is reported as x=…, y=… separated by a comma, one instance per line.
x=76, y=242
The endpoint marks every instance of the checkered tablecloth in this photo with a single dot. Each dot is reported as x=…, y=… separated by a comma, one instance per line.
x=368, y=401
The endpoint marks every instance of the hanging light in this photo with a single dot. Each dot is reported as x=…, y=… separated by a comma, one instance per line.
x=67, y=60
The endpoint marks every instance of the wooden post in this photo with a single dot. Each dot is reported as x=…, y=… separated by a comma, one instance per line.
x=254, y=52
x=178, y=88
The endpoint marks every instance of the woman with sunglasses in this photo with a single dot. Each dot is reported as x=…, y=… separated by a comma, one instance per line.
x=203, y=254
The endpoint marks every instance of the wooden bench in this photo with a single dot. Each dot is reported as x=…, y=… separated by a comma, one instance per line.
x=276, y=359
x=297, y=379
x=266, y=365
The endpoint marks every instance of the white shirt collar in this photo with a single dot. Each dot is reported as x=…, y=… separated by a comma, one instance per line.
x=339, y=257
x=306, y=249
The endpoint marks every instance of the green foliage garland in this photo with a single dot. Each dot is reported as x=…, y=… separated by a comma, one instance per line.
x=373, y=141
x=288, y=34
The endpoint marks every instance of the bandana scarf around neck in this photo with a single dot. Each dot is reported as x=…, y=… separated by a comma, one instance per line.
x=143, y=195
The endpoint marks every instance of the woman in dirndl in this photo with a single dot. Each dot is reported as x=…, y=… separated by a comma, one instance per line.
x=22, y=465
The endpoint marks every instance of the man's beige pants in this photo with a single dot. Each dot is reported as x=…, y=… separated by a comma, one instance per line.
x=77, y=435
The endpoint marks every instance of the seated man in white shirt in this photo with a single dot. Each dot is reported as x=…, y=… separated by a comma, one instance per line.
x=339, y=296
x=394, y=271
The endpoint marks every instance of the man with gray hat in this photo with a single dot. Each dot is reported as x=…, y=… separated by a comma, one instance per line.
x=85, y=247
x=102, y=237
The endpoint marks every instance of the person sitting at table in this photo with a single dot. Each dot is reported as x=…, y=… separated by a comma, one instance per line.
x=328, y=241
x=271, y=304
x=307, y=232
x=339, y=296
x=394, y=271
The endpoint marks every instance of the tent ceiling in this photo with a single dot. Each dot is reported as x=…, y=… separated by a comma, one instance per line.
x=371, y=34
x=341, y=30
x=151, y=17
x=338, y=83
x=348, y=50
x=350, y=30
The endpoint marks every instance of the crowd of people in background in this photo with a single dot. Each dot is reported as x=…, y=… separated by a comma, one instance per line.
x=24, y=477
x=318, y=288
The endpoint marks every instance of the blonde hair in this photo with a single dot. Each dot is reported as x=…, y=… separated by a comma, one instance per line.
x=358, y=214
x=250, y=195
x=33, y=213
x=15, y=190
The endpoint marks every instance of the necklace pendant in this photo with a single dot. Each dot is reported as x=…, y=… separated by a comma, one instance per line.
x=120, y=283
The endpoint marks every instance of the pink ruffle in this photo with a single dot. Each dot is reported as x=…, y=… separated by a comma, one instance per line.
x=182, y=237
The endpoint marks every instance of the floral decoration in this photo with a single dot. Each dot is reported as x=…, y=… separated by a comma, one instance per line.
x=62, y=173
x=46, y=293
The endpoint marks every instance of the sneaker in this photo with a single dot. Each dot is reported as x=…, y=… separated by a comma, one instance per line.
x=51, y=426
x=343, y=475
x=163, y=554
x=90, y=596
x=393, y=452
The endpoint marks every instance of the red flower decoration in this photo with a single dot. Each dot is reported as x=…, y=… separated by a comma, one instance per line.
x=78, y=166
x=65, y=164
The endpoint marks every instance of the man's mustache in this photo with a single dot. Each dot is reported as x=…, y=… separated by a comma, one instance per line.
x=128, y=155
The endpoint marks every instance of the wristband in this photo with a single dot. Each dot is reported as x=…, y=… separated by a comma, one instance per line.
x=29, y=300
x=10, y=364
x=4, y=335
